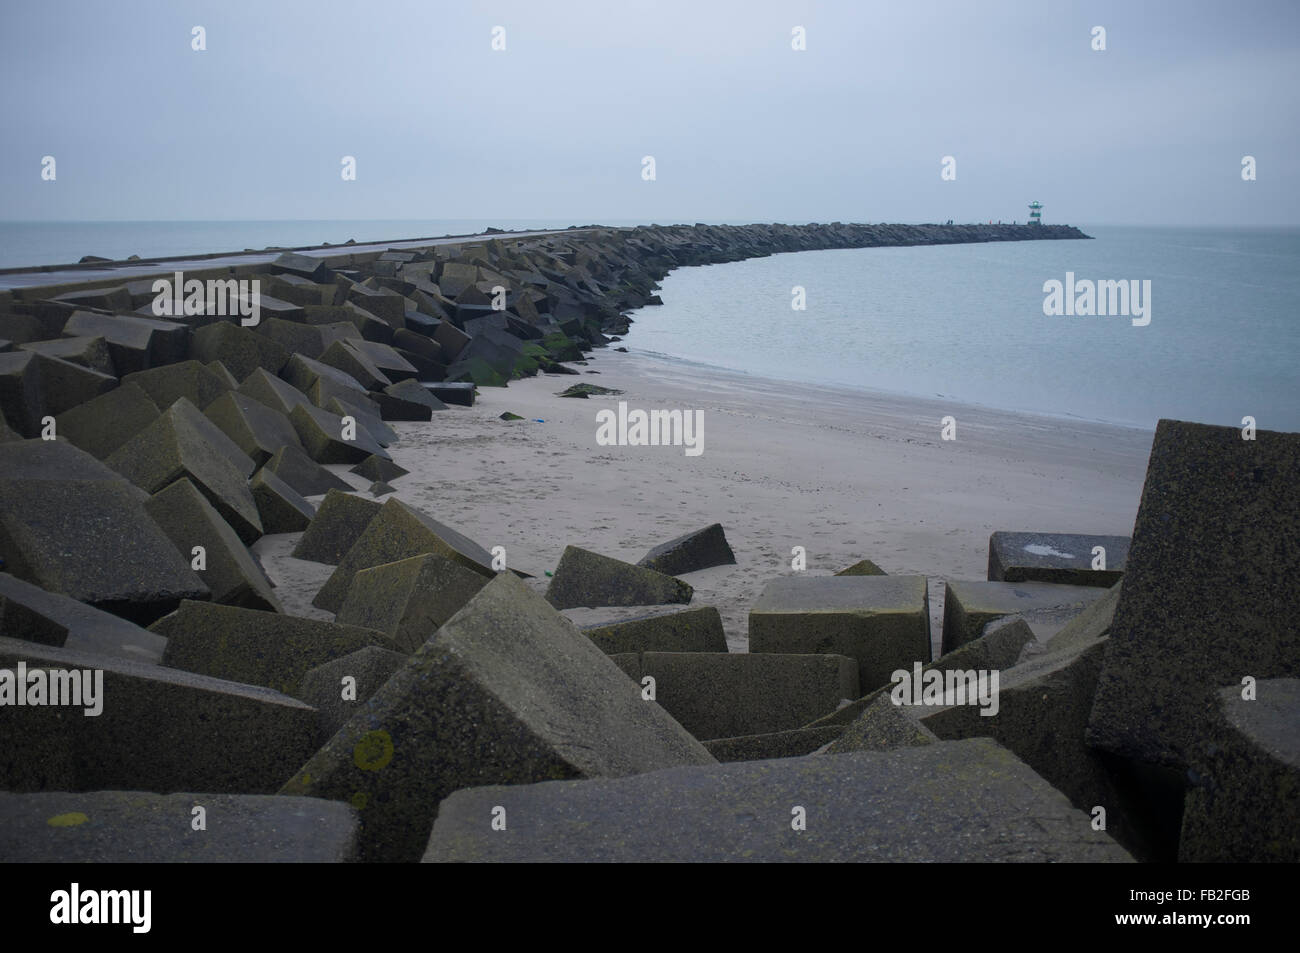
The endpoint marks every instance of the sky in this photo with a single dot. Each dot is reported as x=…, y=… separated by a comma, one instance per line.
x=1152, y=130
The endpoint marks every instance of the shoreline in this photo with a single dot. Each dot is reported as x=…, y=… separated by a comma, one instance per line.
x=845, y=473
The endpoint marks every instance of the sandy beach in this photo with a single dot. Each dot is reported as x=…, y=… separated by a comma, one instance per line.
x=847, y=474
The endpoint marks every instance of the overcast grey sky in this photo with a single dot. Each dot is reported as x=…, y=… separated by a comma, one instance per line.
x=741, y=126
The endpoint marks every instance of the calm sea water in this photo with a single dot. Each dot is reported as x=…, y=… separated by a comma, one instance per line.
x=966, y=323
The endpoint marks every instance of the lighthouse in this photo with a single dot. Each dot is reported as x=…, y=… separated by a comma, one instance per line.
x=1035, y=213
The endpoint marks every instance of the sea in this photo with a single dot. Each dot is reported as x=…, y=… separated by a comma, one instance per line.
x=1219, y=339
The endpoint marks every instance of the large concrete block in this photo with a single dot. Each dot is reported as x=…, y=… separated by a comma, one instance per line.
x=256, y=429
x=367, y=418
x=255, y=648
x=65, y=385
x=304, y=474
x=340, y=688
x=969, y=606
x=229, y=569
x=22, y=401
x=91, y=352
x=724, y=695
x=507, y=692
x=339, y=522
x=121, y=827
x=684, y=630
x=1210, y=593
x=240, y=349
x=328, y=438
x=281, y=508
x=882, y=621
x=409, y=599
x=30, y=613
x=1065, y=558
x=399, y=531
x=911, y=804
x=584, y=578
x=882, y=726
x=1001, y=645
x=376, y=469
x=304, y=266
x=275, y=393
x=134, y=343
x=777, y=744
x=690, y=552
x=69, y=525
x=863, y=567
x=1244, y=802
x=356, y=364
x=1041, y=714
x=160, y=729
x=102, y=425
x=184, y=443
x=189, y=379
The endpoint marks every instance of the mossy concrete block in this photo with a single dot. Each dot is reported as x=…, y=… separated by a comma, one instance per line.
x=367, y=420
x=778, y=744
x=337, y=525
x=294, y=338
x=691, y=552
x=386, y=358
x=321, y=381
x=408, y=400
x=1244, y=802
x=409, y=599
x=328, y=438
x=969, y=606
x=256, y=429
x=377, y=469
x=1210, y=592
x=160, y=729
x=65, y=385
x=189, y=379
x=279, y=395
x=181, y=443
x=882, y=621
x=508, y=692
x=1056, y=557
x=909, y=805
x=722, y=695
x=863, y=567
x=584, y=578
x=304, y=266
x=354, y=362
x=135, y=343
x=102, y=425
x=91, y=352
x=22, y=400
x=304, y=474
x=69, y=525
x=229, y=569
x=121, y=827
x=1088, y=626
x=241, y=350
x=255, y=648
x=399, y=531
x=281, y=508
x=30, y=613
x=452, y=392
x=882, y=726
x=340, y=688
x=1001, y=646
x=1042, y=713
x=685, y=630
